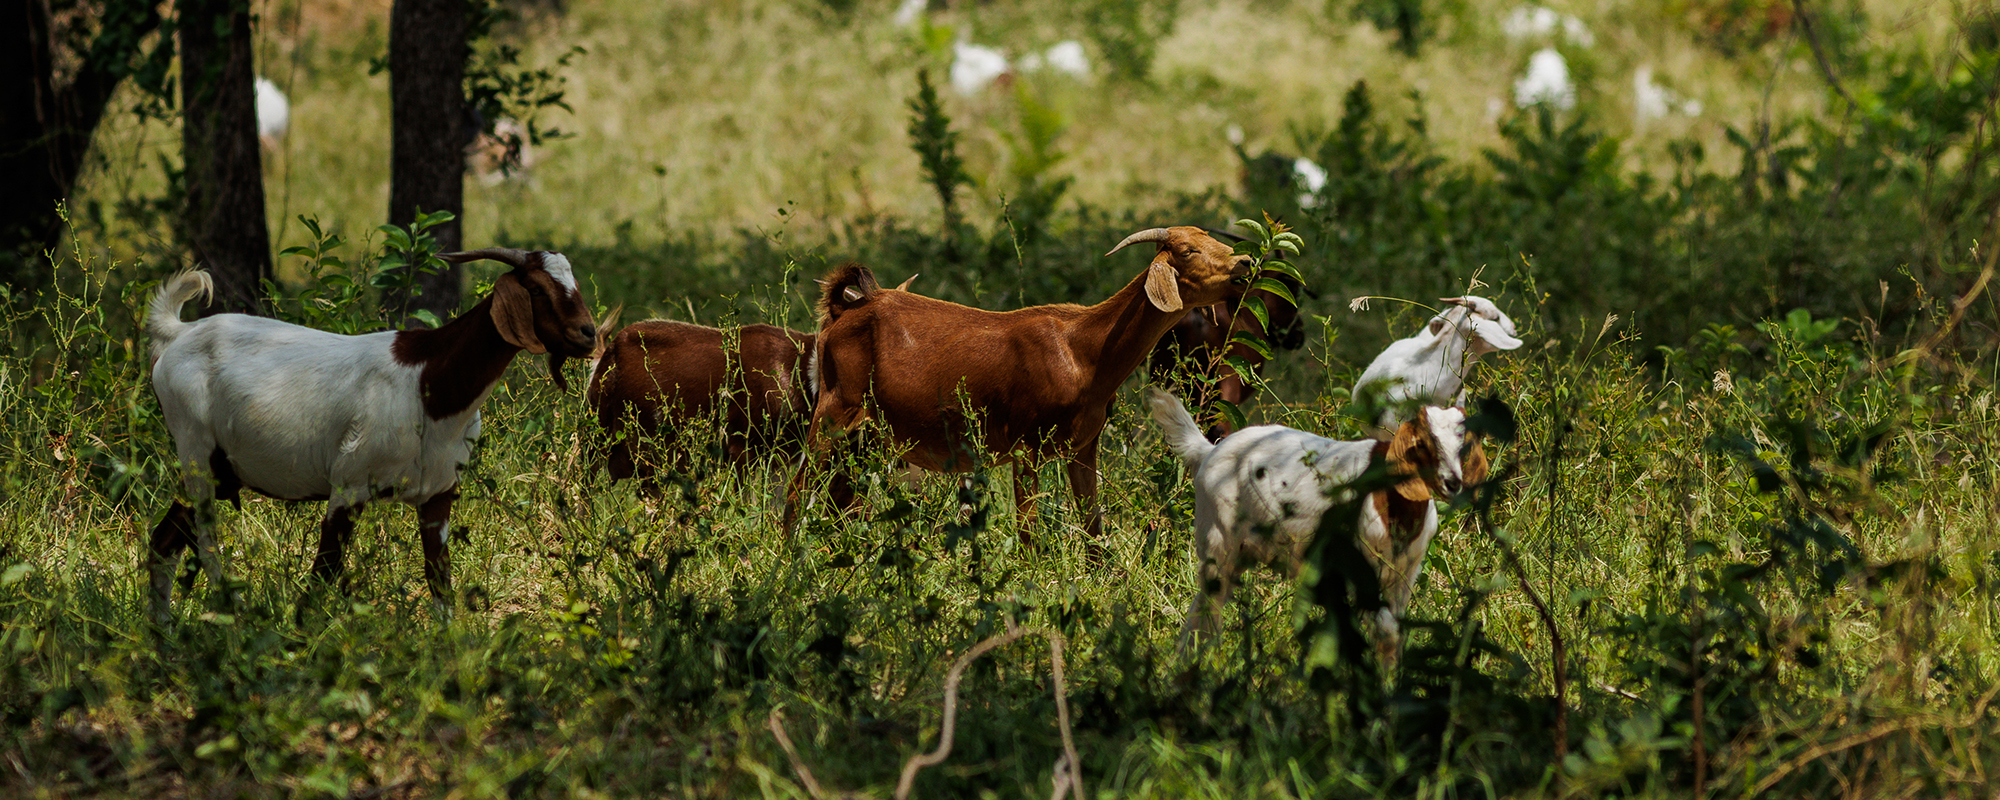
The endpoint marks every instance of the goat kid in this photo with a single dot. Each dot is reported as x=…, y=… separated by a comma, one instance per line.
x=657, y=375
x=1040, y=379
x=1260, y=494
x=302, y=414
x=1429, y=368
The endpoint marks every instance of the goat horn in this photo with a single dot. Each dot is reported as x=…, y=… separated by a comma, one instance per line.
x=1457, y=301
x=905, y=285
x=1147, y=235
x=517, y=259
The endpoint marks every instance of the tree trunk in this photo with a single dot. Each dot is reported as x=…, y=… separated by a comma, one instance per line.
x=46, y=127
x=225, y=173
x=430, y=127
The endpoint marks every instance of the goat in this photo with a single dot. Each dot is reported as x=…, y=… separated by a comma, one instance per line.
x=1193, y=343
x=658, y=373
x=1429, y=368
x=1260, y=494
x=274, y=112
x=302, y=414
x=1041, y=379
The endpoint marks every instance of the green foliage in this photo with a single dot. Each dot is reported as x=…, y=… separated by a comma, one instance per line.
x=1128, y=32
x=1032, y=156
x=408, y=254
x=1406, y=17
x=936, y=145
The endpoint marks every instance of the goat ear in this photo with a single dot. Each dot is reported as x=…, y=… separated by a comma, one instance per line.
x=514, y=314
x=1411, y=451
x=1474, y=461
x=1163, y=285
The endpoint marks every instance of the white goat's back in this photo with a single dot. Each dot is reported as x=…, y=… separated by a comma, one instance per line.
x=303, y=413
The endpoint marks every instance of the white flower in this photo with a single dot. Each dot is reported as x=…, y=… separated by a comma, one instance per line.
x=974, y=66
x=1067, y=58
x=1547, y=81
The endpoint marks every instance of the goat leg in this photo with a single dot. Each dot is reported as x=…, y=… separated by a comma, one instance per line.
x=434, y=528
x=174, y=533
x=1026, y=476
x=1082, y=469
x=334, y=533
x=211, y=561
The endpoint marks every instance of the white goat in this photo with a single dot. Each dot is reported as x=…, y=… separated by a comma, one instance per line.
x=1260, y=492
x=302, y=414
x=1429, y=368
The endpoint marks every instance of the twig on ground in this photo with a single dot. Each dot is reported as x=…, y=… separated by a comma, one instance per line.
x=798, y=767
x=1071, y=777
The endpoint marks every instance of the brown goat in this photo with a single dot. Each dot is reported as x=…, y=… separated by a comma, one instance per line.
x=659, y=374
x=1040, y=379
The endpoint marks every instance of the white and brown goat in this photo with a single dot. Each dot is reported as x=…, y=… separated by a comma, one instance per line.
x=303, y=414
x=1260, y=494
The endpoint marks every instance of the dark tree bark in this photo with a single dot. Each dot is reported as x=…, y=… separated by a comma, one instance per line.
x=430, y=128
x=225, y=172
x=47, y=116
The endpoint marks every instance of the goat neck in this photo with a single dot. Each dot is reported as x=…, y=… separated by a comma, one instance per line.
x=461, y=360
x=1120, y=332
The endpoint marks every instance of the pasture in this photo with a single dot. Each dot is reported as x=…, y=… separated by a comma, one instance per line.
x=1739, y=538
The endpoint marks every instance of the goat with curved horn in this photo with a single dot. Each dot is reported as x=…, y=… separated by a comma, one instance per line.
x=1147, y=235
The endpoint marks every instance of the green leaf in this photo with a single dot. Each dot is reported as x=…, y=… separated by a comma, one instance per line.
x=1256, y=227
x=17, y=573
x=1256, y=344
x=1285, y=268
x=1244, y=369
x=899, y=510
x=1231, y=413
x=1257, y=309
x=1288, y=242
x=297, y=250
x=1277, y=287
x=427, y=317
x=395, y=238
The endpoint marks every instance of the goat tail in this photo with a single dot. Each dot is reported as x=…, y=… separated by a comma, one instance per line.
x=163, y=317
x=847, y=286
x=1183, y=436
